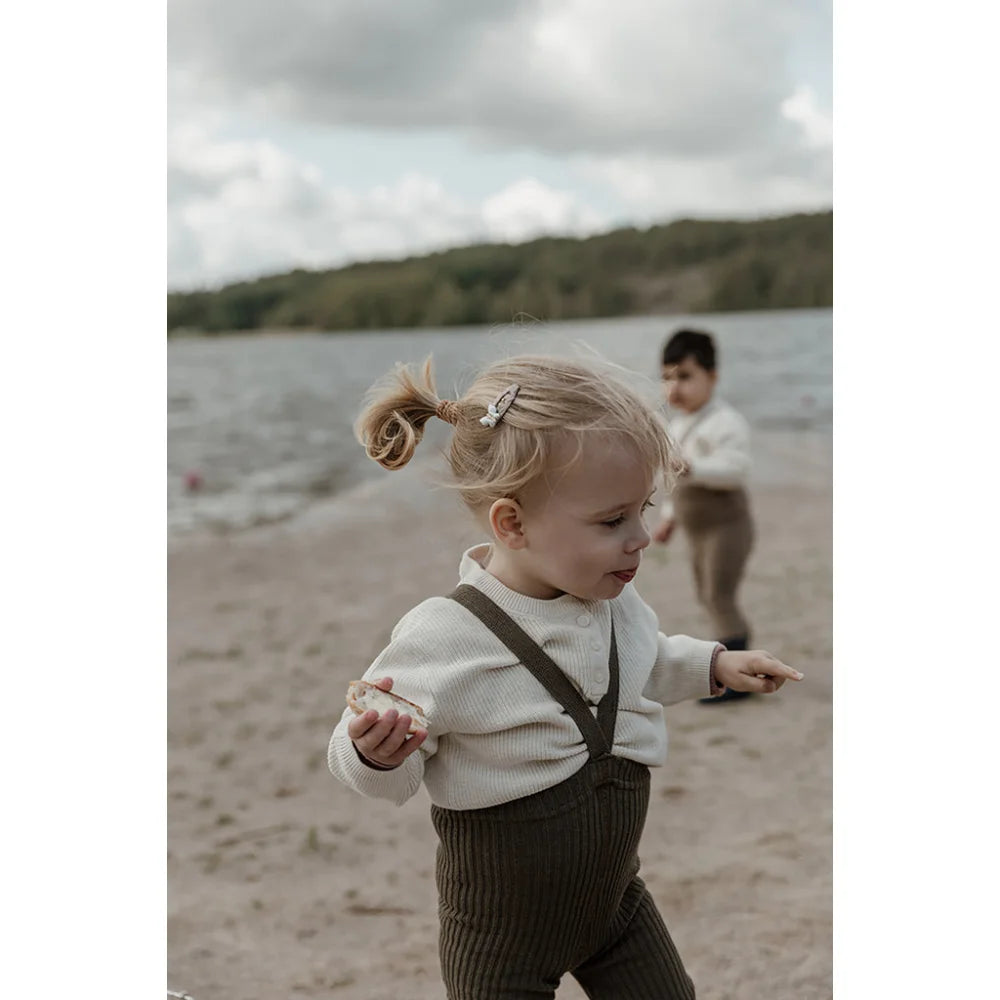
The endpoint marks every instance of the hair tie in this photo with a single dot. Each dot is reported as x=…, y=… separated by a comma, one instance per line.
x=499, y=406
x=447, y=409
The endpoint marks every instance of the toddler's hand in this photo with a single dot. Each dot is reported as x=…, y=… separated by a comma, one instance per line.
x=663, y=531
x=382, y=739
x=753, y=670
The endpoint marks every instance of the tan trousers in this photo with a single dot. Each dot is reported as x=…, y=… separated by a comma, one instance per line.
x=720, y=532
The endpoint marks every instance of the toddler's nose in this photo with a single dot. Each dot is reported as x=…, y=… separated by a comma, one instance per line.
x=639, y=541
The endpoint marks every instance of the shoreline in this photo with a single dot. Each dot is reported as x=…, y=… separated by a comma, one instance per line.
x=784, y=456
x=281, y=331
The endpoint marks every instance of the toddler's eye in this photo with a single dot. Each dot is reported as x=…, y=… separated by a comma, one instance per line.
x=614, y=522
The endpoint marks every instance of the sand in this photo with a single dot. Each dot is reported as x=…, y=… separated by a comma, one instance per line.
x=284, y=883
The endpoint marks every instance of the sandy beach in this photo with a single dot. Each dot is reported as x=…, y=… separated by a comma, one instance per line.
x=283, y=883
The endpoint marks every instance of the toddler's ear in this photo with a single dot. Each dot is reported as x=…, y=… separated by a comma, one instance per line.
x=505, y=520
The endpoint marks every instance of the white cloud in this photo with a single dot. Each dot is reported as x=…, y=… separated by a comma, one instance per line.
x=764, y=180
x=245, y=202
x=241, y=209
x=527, y=208
x=802, y=109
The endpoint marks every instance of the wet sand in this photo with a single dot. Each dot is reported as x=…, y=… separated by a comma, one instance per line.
x=284, y=883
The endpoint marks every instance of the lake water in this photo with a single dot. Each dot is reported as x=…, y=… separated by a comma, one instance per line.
x=264, y=422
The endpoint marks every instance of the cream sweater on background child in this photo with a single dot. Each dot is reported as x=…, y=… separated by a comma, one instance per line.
x=715, y=443
x=495, y=733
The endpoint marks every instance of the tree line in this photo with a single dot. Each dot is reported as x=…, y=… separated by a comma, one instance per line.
x=688, y=266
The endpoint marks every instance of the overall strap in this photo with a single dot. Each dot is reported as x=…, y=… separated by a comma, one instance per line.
x=598, y=733
x=607, y=707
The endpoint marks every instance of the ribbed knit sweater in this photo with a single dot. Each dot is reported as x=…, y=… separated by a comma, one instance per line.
x=495, y=733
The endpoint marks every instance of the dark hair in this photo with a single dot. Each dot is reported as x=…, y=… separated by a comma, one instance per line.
x=690, y=343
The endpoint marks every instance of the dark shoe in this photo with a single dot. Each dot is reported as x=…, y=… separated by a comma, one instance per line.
x=728, y=695
x=736, y=643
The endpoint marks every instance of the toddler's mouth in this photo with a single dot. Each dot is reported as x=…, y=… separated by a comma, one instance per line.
x=625, y=574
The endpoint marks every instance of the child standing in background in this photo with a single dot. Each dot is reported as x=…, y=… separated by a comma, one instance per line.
x=542, y=679
x=710, y=500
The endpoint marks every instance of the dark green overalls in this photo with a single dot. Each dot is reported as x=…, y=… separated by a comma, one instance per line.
x=547, y=884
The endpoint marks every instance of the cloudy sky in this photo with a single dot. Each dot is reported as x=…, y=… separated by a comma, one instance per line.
x=318, y=132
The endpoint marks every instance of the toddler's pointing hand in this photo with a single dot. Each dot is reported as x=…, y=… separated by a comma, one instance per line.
x=753, y=670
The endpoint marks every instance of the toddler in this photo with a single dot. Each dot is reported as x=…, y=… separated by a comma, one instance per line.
x=710, y=500
x=543, y=678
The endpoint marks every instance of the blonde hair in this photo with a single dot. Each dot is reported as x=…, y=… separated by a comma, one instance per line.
x=559, y=401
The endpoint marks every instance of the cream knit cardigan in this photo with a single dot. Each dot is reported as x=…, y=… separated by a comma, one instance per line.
x=495, y=733
x=715, y=443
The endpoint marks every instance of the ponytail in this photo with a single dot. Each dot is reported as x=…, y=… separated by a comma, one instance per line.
x=396, y=410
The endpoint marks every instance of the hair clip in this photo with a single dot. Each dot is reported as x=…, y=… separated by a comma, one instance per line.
x=499, y=406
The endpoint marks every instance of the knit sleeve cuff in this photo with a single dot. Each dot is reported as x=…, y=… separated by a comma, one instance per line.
x=370, y=763
x=396, y=784
x=714, y=687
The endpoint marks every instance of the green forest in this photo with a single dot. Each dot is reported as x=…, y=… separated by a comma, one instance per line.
x=687, y=266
